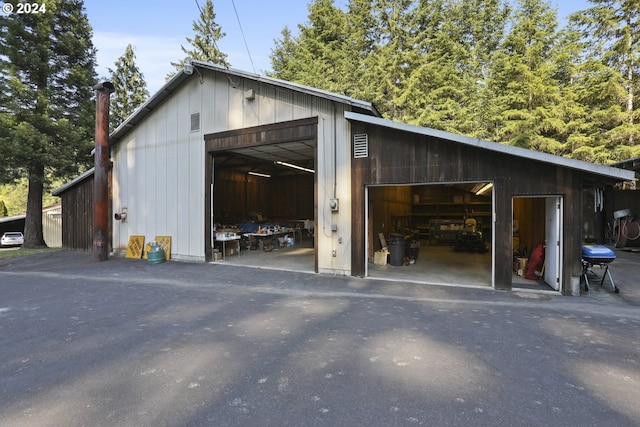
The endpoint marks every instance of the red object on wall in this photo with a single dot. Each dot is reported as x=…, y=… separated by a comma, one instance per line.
x=535, y=262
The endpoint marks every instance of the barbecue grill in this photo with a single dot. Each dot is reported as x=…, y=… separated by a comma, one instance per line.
x=597, y=255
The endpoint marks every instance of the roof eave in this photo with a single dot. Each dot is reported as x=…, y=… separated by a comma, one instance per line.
x=176, y=81
x=58, y=191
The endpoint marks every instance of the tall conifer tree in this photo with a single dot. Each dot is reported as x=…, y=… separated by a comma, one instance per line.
x=204, y=43
x=47, y=74
x=522, y=77
x=130, y=87
x=613, y=28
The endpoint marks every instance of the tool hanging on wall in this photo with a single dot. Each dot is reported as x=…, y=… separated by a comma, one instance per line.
x=598, y=199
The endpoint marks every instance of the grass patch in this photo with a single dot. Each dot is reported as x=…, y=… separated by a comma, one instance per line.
x=9, y=253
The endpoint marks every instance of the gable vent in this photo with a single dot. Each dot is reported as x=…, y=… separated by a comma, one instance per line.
x=360, y=145
x=195, y=122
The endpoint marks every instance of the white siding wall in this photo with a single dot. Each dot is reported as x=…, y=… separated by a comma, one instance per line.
x=52, y=227
x=159, y=165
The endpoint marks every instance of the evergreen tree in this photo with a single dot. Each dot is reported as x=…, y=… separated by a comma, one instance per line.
x=47, y=64
x=204, y=43
x=319, y=54
x=329, y=50
x=283, y=56
x=612, y=28
x=522, y=77
x=130, y=88
x=388, y=67
x=359, y=43
x=3, y=209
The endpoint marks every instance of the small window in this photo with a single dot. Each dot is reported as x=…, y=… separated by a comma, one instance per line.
x=195, y=122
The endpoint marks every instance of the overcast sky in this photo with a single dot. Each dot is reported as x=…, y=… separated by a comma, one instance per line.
x=157, y=29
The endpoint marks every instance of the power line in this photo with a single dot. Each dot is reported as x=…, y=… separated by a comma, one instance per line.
x=243, y=37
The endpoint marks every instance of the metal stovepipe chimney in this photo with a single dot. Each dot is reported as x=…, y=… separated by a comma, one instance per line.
x=101, y=173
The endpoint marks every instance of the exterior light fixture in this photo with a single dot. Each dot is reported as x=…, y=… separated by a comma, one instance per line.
x=188, y=70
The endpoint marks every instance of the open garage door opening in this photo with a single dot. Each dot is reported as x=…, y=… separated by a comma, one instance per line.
x=261, y=196
x=431, y=233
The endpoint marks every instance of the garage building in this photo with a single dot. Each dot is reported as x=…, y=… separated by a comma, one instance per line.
x=217, y=147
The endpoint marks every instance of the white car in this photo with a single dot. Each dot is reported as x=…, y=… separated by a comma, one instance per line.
x=12, y=238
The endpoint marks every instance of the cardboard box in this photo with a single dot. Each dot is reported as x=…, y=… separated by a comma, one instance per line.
x=380, y=257
x=521, y=267
x=217, y=256
x=232, y=247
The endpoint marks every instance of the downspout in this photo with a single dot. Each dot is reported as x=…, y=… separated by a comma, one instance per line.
x=335, y=149
x=101, y=173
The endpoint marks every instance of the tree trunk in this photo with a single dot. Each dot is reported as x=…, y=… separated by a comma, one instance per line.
x=33, y=235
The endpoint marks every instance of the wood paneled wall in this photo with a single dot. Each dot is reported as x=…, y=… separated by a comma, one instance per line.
x=398, y=157
x=530, y=213
x=77, y=216
x=238, y=195
x=389, y=212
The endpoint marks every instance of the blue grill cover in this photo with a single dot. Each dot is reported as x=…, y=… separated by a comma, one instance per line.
x=597, y=253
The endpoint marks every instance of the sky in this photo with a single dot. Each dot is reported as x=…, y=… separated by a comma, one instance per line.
x=157, y=29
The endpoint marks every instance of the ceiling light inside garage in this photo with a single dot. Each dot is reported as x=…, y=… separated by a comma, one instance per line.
x=290, y=165
x=484, y=189
x=264, y=175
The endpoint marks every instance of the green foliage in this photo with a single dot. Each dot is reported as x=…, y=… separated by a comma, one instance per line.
x=3, y=209
x=204, y=42
x=130, y=88
x=15, y=195
x=492, y=69
x=47, y=74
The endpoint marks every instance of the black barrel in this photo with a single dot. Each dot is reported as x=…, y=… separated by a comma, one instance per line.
x=397, y=248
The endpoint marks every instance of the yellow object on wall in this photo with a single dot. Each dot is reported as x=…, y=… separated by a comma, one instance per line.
x=135, y=246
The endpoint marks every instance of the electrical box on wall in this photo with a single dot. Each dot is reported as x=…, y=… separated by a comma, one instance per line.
x=333, y=204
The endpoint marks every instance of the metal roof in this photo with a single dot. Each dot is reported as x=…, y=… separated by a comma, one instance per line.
x=176, y=81
x=630, y=164
x=58, y=191
x=603, y=170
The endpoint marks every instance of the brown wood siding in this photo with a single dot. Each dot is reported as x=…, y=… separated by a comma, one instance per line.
x=397, y=157
x=77, y=216
x=237, y=196
x=389, y=212
x=295, y=130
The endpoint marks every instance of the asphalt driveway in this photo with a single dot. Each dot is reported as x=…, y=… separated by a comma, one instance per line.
x=127, y=343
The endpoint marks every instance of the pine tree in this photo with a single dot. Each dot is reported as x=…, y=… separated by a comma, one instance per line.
x=612, y=28
x=130, y=88
x=316, y=55
x=283, y=56
x=522, y=77
x=454, y=41
x=47, y=64
x=388, y=67
x=359, y=43
x=328, y=52
x=204, y=43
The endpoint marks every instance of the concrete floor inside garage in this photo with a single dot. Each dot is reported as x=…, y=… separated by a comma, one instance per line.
x=436, y=264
